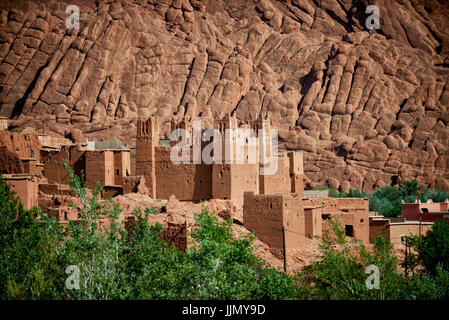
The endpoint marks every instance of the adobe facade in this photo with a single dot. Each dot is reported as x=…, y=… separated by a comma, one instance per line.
x=109, y=167
x=416, y=219
x=351, y=213
x=396, y=229
x=302, y=218
x=196, y=180
x=20, y=152
x=268, y=215
x=26, y=188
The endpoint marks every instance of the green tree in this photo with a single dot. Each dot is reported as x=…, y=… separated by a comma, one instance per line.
x=340, y=274
x=29, y=242
x=433, y=247
x=95, y=248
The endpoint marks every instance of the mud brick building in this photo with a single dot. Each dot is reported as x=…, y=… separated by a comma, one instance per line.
x=192, y=181
x=107, y=166
x=20, y=152
x=396, y=229
x=26, y=188
x=417, y=218
x=302, y=218
x=20, y=164
x=267, y=215
x=351, y=213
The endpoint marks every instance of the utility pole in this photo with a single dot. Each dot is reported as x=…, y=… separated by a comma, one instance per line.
x=420, y=216
x=283, y=247
x=406, y=257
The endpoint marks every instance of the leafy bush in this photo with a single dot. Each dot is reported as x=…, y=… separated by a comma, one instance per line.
x=341, y=272
x=29, y=242
x=431, y=287
x=433, y=247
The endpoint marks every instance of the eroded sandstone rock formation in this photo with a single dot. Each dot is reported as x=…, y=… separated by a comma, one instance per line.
x=367, y=107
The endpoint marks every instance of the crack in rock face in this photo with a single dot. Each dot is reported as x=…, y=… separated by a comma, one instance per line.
x=367, y=107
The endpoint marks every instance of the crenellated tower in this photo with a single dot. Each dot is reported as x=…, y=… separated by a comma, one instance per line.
x=146, y=141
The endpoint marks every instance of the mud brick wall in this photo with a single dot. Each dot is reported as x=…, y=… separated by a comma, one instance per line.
x=263, y=214
x=122, y=165
x=26, y=189
x=25, y=144
x=186, y=181
x=280, y=181
x=378, y=227
x=313, y=222
x=74, y=156
x=294, y=222
x=99, y=167
x=146, y=141
x=10, y=162
x=330, y=205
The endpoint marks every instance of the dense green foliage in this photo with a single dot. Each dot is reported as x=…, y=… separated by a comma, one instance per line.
x=341, y=274
x=387, y=200
x=118, y=262
x=430, y=250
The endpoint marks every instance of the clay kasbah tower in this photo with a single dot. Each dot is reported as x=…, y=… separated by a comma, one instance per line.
x=208, y=152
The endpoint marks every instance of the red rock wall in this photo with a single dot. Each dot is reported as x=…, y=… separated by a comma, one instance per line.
x=372, y=107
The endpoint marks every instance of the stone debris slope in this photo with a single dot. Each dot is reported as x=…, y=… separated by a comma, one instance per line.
x=367, y=107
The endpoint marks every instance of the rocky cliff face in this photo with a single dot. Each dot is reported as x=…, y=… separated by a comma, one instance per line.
x=367, y=107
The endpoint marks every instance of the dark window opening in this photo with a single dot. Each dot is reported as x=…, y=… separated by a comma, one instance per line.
x=325, y=216
x=349, y=230
x=361, y=220
x=403, y=240
x=394, y=180
x=118, y=172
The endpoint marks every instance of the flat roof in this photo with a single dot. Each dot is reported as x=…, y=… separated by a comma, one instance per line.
x=17, y=177
x=410, y=223
x=436, y=212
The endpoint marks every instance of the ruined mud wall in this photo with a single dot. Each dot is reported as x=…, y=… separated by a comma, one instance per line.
x=191, y=182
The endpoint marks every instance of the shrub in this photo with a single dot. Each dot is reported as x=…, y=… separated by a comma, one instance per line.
x=433, y=247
